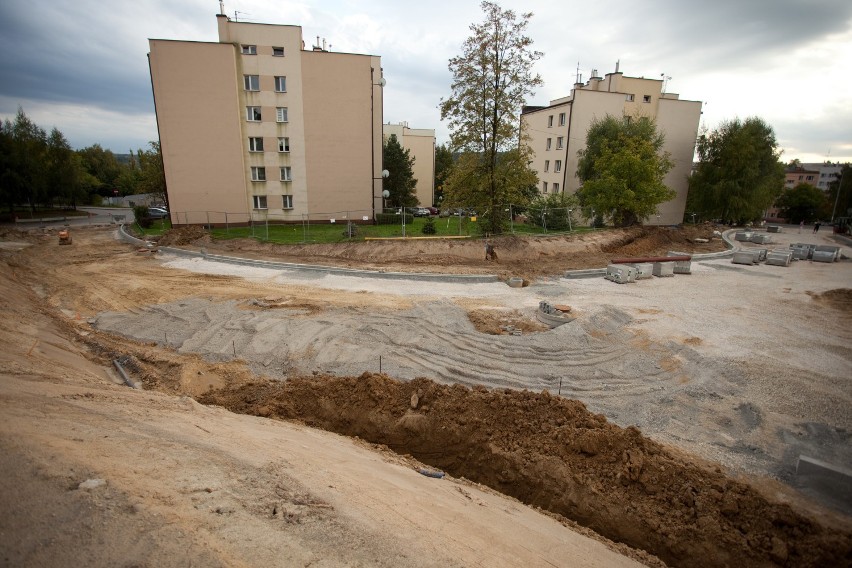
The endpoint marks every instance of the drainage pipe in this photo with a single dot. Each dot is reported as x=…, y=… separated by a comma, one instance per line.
x=651, y=259
x=130, y=382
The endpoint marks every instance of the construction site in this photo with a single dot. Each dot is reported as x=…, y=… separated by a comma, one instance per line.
x=405, y=402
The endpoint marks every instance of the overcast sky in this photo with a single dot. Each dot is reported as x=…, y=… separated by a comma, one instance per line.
x=81, y=66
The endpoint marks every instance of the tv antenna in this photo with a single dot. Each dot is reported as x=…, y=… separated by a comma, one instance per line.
x=666, y=79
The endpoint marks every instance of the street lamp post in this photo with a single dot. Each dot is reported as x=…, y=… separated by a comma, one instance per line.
x=569, y=220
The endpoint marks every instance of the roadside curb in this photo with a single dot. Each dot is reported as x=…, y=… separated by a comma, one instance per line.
x=272, y=265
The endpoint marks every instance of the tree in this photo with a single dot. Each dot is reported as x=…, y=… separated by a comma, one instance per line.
x=152, y=176
x=622, y=169
x=803, y=202
x=444, y=163
x=491, y=80
x=400, y=183
x=739, y=174
x=103, y=166
x=553, y=211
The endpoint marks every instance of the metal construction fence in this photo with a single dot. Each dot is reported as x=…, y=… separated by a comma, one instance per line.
x=341, y=226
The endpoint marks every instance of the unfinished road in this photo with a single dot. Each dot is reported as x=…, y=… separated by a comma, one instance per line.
x=746, y=367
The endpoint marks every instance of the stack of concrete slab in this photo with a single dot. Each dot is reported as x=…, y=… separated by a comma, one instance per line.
x=779, y=257
x=760, y=238
x=773, y=229
x=837, y=251
x=802, y=251
x=744, y=236
x=745, y=257
x=681, y=266
x=620, y=273
x=663, y=269
x=823, y=256
x=644, y=270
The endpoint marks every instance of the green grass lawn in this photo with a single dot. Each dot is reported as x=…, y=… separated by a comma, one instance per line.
x=336, y=232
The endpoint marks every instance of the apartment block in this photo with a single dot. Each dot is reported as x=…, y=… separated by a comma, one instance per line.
x=420, y=142
x=256, y=127
x=827, y=171
x=558, y=131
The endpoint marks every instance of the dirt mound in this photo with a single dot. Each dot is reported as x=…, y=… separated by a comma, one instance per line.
x=501, y=322
x=527, y=257
x=182, y=236
x=839, y=298
x=552, y=453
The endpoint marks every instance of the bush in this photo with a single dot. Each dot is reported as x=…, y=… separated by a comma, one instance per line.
x=141, y=214
x=429, y=226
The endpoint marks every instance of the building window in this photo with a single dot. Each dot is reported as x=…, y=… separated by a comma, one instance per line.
x=547, y=165
x=557, y=167
x=249, y=50
x=810, y=178
x=259, y=201
x=258, y=174
x=548, y=144
x=560, y=142
x=800, y=178
x=253, y=114
x=646, y=99
x=278, y=51
x=281, y=114
x=280, y=84
x=251, y=82
x=288, y=202
x=544, y=186
x=561, y=119
x=630, y=98
x=283, y=144
x=550, y=121
x=555, y=188
x=285, y=174
x=255, y=144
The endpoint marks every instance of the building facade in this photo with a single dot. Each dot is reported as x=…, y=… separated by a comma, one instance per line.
x=420, y=142
x=827, y=171
x=256, y=127
x=558, y=131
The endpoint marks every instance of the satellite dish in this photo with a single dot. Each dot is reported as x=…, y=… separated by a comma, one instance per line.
x=382, y=82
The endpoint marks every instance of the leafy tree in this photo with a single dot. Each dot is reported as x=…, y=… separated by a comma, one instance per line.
x=739, y=174
x=444, y=163
x=470, y=179
x=24, y=179
x=103, y=166
x=400, y=183
x=64, y=170
x=152, y=176
x=841, y=205
x=803, y=202
x=622, y=169
x=491, y=80
x=553, y=211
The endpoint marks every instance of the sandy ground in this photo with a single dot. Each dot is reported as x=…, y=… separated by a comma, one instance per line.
x=744, y=366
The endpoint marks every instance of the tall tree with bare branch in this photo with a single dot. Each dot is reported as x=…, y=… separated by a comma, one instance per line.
x=492, y=78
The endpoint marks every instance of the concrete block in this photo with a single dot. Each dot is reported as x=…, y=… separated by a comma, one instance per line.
x=682, y=267
x=823, y=256
x=644, y=270
x=662, y=269
x=620, y=273
x=779, y=257
x=515, y=282
x=830, y=248
x=773, y=228
x=760, y=239
x=744, y=236
x=744, y=257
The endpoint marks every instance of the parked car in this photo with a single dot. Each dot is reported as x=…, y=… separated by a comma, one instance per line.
x=421, y=212
x=157, y=213
x=433, y=210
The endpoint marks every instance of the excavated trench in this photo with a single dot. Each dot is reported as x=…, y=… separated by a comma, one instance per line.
x=552, y=453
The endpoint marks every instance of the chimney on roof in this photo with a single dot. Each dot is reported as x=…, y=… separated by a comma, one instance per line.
x=617, y=64
x=221, y=8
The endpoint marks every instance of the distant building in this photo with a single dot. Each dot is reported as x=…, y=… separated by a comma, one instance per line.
x=558, y=131
x=795, y=175
x=420, y=142
x=256, y=126
x=828, y=172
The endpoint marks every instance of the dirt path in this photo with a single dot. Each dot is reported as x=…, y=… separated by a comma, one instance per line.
x=652, y=355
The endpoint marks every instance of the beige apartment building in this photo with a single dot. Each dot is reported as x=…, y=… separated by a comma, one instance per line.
x=558, y=131
x=257, y=127
x=420, y=142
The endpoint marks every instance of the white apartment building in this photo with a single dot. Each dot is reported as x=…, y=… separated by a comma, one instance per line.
x=420, y=142
x=256, y=127
x=558, y=131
